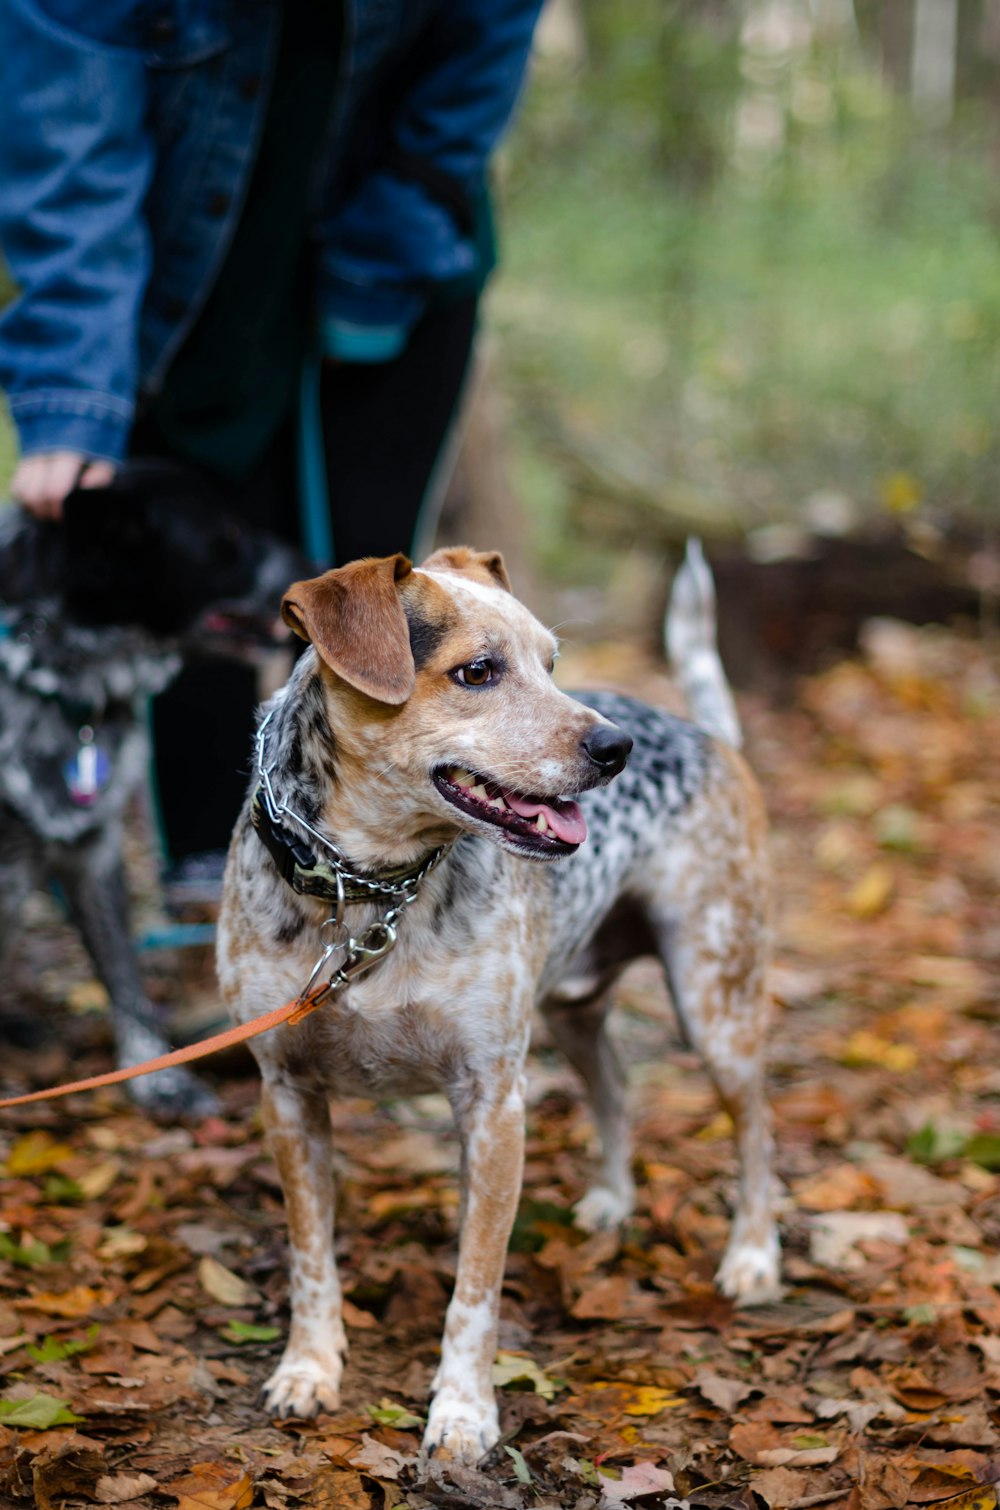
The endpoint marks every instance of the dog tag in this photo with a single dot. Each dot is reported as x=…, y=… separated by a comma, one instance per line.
x=87, y=773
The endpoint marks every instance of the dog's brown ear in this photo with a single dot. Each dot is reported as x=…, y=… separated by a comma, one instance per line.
x=354, y=618
x=486, y=565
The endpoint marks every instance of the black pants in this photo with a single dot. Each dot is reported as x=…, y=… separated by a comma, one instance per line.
x=384, y=427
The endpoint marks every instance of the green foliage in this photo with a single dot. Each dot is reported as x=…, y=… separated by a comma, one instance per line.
x=34, y=1254
x=53, y=1350
x=247, y=1331
x=38, y=1413
x=757, y=321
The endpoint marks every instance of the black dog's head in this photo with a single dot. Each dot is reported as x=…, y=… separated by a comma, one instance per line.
x=154, y=550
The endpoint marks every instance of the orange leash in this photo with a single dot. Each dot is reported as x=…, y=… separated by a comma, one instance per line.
x=291, y=1012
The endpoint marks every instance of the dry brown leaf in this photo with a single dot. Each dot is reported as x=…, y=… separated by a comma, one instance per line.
x=779, y=1487
x=223, y=1285
x=72, y=1304
x=838, y=1188
x=212, y=1486
x=115, y=1489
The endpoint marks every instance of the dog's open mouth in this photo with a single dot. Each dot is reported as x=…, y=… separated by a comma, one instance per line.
x=541, y=825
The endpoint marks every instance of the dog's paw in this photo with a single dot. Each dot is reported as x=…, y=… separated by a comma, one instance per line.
x=603, y=1207
x=302, y=1387
x=750, y=1272
x=174, y=1093
x=460, y=1427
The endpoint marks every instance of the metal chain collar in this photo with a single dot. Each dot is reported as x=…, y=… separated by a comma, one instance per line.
x=356, y=955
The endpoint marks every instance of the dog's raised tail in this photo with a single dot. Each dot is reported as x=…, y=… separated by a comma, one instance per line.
x=689, y=632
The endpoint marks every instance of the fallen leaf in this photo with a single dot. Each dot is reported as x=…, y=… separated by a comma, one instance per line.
x=636, y=1480
x=873, y=892
x=723, y=1392
x=836, y=1189
x=39, y=1412
x=117, y=1488
x=245, y=1331
x=72, y=1304
x=384, y=1462
x=36, y=1153
x=388, y=1413
x=212, y=1486
x=223, y=1285
x=511, y=1369
x=835, y=1234
x=864, y=1047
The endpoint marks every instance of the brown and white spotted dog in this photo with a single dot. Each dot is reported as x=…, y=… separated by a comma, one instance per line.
x=425, y=715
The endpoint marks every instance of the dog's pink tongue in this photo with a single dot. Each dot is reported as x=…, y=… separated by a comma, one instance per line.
x=566, y=821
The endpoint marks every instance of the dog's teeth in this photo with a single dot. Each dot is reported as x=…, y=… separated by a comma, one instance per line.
x=541, y=823
x=478, y=791
x=461, y=777
x=497, y=802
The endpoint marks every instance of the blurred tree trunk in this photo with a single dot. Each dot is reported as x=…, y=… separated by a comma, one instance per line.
x=934, y=59
x=889, y=25
x=480, y=505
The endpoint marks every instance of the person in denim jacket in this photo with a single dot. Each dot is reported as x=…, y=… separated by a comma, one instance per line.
x=224, y=219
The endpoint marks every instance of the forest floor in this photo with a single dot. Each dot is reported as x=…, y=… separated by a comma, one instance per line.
x=143, y=1269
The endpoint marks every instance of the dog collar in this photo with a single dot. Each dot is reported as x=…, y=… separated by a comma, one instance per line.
x=333, y=880
x=310, y=876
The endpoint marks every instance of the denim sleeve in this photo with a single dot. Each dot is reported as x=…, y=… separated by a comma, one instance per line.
x=75, y=162
x=395, y=243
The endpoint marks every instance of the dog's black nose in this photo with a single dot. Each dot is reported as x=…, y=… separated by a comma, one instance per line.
x=608, y=747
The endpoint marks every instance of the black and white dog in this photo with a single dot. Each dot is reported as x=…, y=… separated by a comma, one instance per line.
x=95, y=614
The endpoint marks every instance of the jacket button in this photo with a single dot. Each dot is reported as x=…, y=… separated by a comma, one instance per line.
x=217, y=205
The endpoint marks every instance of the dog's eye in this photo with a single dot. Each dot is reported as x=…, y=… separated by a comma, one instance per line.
x=478, y=673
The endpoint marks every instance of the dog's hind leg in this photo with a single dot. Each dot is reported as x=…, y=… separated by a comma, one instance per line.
x=713, y=938
x=308, y=1377
x=93, y=881
x=580, y=1031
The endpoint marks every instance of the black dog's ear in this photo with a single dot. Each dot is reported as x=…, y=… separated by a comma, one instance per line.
x=158, y=546
x=31, y=557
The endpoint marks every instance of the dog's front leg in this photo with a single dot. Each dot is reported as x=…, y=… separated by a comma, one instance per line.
x=463, y=1421
x=308, y=1377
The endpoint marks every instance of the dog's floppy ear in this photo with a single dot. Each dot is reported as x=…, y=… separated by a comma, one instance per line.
x=486, y=565
x=354, y=618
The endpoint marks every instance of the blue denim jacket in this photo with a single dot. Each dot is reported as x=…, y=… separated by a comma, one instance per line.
x=127, y=134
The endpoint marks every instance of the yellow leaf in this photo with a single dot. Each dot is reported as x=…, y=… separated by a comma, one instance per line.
x=99, y=1178
x=721, y=1126
x=982, y=1498
x=36, y=1154
x=868, y=1048
x=223, y=1285
x=900, y=492
x=873, y=892
x=643, y=1399
x=121, y=1242
x=649, y=1401
x=88, y=996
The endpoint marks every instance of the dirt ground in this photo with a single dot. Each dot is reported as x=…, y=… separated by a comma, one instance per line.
x=143, y=1272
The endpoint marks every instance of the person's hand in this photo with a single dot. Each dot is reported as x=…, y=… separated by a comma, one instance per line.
x=42, y=481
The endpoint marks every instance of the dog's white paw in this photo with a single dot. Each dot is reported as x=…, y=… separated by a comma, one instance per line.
x=301, y=1386
x=603, y=1207
x=461, y=1427
x=750, y=1272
